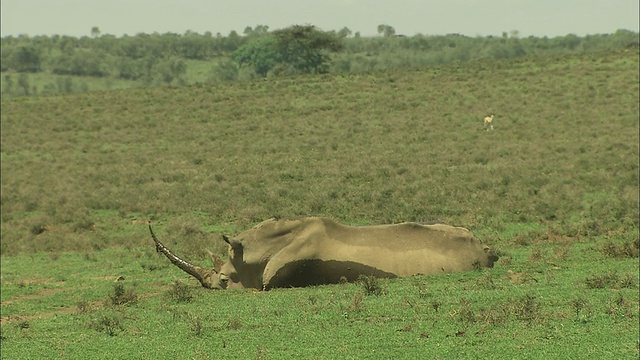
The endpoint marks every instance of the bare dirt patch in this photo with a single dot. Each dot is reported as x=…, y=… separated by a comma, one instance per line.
x=41, y=294
x=63, y=309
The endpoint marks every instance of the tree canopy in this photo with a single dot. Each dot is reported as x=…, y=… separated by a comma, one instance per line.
x=261, y=53
x=307, y=48
x=304, y=49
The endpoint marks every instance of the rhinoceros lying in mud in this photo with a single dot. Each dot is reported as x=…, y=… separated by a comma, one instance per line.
x=313, y=250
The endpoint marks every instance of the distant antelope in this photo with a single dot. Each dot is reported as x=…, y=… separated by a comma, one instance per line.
x=488, y=121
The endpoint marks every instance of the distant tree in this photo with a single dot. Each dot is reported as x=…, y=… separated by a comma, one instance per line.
x=81, y=62
x=130, y=69
x=67, y=44
x=514, y=46
x=232, y=42
x=25, y=58
x=261, y=29
x=344, y=32
x=256, y=31
x=193, y=46
x=133, y=47
x=389, y=31
x=624, y=39
x=306, y=48
x=261, y=53
x=570, y=41
x=108, y=44
x=386, y=30
x=95, y=32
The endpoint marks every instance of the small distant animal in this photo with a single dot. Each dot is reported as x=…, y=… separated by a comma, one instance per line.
x=488, y=122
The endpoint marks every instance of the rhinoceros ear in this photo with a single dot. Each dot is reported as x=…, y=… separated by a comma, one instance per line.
x=236, y=249
x=235, y=244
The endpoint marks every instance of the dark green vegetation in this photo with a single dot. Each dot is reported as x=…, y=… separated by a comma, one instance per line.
x=63, y=64
x=554, y=188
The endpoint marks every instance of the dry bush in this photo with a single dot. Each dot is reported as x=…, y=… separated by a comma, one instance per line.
x=611, y=279
x=620, y=250
x=538, y=254
x=487, y=282
x=619, y=307
x=527, y=238
x=580, y=304
x=465, y=311
x=528, y=308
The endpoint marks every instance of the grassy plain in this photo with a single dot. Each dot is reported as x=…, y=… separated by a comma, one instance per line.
x=554, y=188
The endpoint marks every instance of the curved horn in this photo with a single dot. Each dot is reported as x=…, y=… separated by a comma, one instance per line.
x=186, y=266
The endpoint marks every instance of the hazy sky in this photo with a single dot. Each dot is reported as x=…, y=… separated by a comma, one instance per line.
x=408, y=17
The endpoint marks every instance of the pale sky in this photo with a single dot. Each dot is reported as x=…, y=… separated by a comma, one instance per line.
x=407, y=17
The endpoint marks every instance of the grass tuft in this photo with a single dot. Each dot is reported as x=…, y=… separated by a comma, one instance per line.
x=234, y=323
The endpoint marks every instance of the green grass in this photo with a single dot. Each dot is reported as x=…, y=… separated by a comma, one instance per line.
x=485, y=312
x=554, y=189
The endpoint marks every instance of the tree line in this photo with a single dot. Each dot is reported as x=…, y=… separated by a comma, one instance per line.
x=258, y=52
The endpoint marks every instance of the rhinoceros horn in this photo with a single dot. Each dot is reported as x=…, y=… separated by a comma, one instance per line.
x=193, y=270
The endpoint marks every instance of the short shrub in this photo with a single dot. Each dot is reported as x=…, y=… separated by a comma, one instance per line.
x=371, y=285
x=108, y=324
x=579, y=304
x=181, y=292
x=122, y=296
